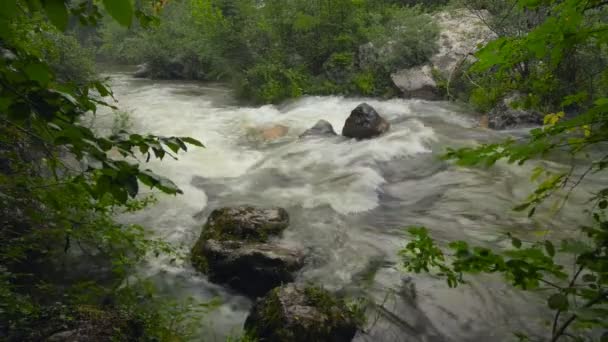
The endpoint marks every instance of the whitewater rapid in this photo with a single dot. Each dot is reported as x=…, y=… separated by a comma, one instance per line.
x=349, y=203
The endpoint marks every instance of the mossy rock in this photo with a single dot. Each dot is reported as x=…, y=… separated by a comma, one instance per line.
x=233, y=249
x=245, y=223
x=251, y=268
x=301, y=314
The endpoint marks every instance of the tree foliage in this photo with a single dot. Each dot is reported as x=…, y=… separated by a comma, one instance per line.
x=579, y=299
x=61, y=184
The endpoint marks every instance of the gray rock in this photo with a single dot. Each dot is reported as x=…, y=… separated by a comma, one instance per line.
x=301, y=314
x=364, y=123
x=251, y=268
x=417, y=82
x=321, y=128
x=504, y=116
x=143, y=71
x=461, y=34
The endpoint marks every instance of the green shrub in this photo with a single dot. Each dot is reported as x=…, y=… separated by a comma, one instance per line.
x=272, y=83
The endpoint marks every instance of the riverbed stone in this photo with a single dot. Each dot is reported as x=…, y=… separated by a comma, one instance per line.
x=293, y=313
x=321, y=128
x=251, y=268
x=364, y=123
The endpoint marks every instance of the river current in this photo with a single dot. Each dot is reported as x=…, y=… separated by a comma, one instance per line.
x=349, y=203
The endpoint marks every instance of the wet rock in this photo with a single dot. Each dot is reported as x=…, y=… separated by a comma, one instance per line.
x=274, y=132
x=251, y=268
x=505, y=116
x=143, y=71
x=321, y=128
x=245, y=223
x=364, y=123
x=233, y=249
x=301, y=314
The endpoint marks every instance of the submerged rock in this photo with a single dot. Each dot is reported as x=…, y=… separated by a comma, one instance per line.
x=364, y=123
x=301, y=314
x=252, y=268
x=321, y=128
x=274, y=132
x=505, y=116
x=233, y=249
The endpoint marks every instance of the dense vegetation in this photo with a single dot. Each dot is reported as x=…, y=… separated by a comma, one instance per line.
x=282, y=49
x=60, y=187
x=64, y=261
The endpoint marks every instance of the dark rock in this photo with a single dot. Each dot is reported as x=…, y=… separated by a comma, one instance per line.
x=296, y=314
x=245, y=223
x=143, y=71
x=233, y=249
x=505, y=116
x=252, y=268
x=321, y=128
x=364, y=123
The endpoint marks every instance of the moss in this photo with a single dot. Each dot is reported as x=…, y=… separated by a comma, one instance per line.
x=225, y=224
x=199, y=261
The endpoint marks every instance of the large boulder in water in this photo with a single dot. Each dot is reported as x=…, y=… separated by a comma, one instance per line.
x=364, y=123
x=321, y=128
x=506, y=116
x=233, y=249
x=252, y=268
x=301, y=314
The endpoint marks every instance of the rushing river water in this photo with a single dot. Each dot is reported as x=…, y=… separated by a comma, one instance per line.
x=349, y=202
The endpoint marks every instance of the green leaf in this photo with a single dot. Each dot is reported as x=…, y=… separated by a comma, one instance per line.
x=8, y=8
x=549, y=248
x=516, y=242
x=38, y=72
x=603, y=204
x=132, y=186
x=192, y=141
x=120, y=10
x=558, y=301
x=57, y=13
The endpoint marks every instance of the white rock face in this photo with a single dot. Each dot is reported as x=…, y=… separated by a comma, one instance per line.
x=461, y=32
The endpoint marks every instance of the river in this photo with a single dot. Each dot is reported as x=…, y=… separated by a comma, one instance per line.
x=349, y=202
